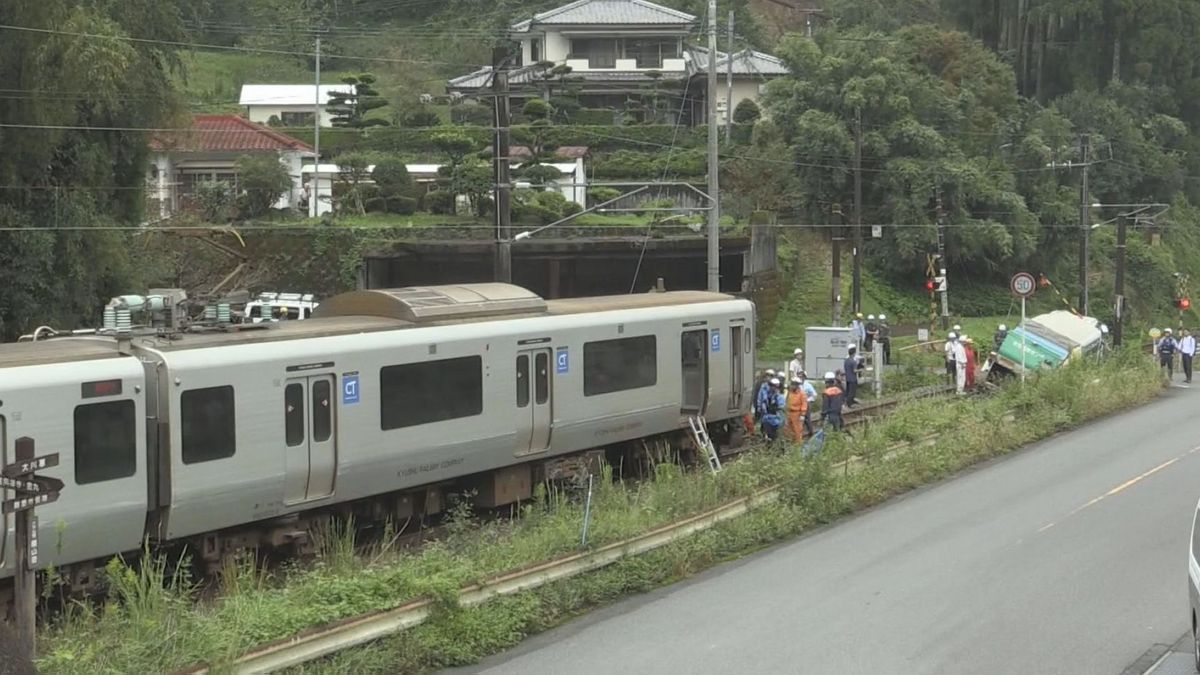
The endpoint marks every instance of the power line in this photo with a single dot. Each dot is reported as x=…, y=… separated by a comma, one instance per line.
x=197, y=45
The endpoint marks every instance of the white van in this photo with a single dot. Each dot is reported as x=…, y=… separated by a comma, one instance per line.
x=1194, y=584
x=289, y=306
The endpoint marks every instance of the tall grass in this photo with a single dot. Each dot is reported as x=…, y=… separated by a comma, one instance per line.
x=153, y=626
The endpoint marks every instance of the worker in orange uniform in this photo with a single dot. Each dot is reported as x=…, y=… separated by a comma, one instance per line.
x=969, y=346
x=797, y=409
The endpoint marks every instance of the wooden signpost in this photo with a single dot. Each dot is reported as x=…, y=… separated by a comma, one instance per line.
x=30, y=491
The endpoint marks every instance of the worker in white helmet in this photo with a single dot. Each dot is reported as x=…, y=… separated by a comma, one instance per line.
x=760, y=394
x=871, y=333
x=773, y=409
x=884, y=336
x=796, y=365
x=998, y=338
x=948, y=348
x=832, y=402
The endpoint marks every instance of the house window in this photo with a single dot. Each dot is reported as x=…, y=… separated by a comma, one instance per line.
x=535, y=51
x=599, y=52
x=297, y=119
x=619, y=365
x=650, y=53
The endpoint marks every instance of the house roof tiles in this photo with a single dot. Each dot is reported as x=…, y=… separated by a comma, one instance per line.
x=608, y=12
x=745, y=62
x=225, y=133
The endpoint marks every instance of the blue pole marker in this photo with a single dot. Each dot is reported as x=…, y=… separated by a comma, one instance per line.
x=715, y=339
x=350, y=390
x=562, y=363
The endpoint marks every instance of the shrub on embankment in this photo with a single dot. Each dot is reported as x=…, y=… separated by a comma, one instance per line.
x=149, y=627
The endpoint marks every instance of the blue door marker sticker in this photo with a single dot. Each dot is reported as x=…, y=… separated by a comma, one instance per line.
x=561, y=361
x=715, y=340
x=350, y=391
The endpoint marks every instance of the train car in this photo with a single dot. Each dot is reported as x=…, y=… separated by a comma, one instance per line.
x=381, y=402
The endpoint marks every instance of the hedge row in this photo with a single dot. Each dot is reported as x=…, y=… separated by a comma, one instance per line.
x=648, y=137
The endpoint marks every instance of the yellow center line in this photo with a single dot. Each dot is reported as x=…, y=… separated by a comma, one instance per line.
x=1119, y=488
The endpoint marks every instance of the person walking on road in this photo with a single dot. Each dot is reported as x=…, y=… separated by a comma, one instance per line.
x=1166, y=353
x=796, y=365
x=1187, y=351
x=948, y=348
x=797, y=410
x=773, y=410
x=832, y=402
x=851, y=367
x=960, y=365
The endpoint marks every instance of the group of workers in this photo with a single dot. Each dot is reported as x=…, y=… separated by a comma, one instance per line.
x=868, y=332
x=790, y=409
x=962, y=357
x=1166, y=346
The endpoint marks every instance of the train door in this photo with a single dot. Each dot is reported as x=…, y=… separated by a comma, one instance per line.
x=737, y=382
x=4, y=520
x=534, y=402
x=310, y=432
x=693, y=353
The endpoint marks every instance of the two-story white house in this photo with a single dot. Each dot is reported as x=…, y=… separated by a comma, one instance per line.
x=292, y=105
x=605, y=52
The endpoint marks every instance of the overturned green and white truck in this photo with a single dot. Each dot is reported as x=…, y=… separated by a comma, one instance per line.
x=1047, y=341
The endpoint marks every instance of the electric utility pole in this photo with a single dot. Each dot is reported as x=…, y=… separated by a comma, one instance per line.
x=1085, y=227
x=503, y=190
x=836, y=266
x=316, y=182
x=729, y=82
x=943, y=282
x=856, y=294
x=714, y=187
x=1119, y=279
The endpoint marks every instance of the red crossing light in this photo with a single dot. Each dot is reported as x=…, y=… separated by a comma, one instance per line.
x=929, y=285
x=1184, y=303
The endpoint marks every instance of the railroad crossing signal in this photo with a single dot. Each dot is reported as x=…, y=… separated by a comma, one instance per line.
x=1183, y=303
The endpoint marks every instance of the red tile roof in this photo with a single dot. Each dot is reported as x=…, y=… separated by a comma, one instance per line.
x=225, y=133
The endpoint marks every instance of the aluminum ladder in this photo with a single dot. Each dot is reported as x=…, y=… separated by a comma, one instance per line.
x=703, y=442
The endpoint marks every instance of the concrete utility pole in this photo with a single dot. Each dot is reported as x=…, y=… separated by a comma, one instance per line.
x=316, y=183
x=502, y=271
x=729, y=82
x=714, y=186
x=1119, y=279
x=944, y=285
x=1085, y=227
x=856, y=294
x=835, y=288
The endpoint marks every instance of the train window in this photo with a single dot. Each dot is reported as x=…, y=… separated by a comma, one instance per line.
x=541, y=380
x=322, y=411
x=293, y=414
x=522, y=380
x=207, y=424
x=105, y=441
x=618, y=365
x=431, y=391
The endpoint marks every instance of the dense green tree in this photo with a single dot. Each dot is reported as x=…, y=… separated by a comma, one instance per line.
x=72, y=154
x=262, y=179
x=351, y=109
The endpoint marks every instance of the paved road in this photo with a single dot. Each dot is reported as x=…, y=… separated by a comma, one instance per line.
x=1068, y=557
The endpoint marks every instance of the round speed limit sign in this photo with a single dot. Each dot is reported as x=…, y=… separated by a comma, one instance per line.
x=1023, y=284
